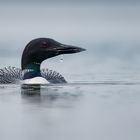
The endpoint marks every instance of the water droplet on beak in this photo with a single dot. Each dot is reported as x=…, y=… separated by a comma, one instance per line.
x=61, y=58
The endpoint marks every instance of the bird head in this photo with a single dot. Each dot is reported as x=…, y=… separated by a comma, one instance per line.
x=38, y=50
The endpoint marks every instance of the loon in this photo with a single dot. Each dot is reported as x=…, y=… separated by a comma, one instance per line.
x=35, y=52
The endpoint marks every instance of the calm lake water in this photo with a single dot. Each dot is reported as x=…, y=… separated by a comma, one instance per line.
x=101, y=100
x=101, y=110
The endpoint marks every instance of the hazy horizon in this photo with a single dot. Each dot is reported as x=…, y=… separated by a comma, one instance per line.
x=109, y=31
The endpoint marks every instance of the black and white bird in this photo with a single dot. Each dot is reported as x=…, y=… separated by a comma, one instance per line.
x=35, y=52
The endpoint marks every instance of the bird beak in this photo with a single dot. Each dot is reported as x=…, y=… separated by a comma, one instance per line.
x=68, y=49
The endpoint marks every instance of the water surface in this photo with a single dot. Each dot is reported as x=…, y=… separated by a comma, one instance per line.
x=101, y=110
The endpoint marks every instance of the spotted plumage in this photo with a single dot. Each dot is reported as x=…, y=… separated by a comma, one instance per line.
x=14, y=75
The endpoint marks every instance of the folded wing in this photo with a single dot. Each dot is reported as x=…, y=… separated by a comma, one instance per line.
x=12, y=75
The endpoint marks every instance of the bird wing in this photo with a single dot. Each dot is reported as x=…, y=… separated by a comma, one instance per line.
x=52, y=76
x=14, y=75
x=10, y=75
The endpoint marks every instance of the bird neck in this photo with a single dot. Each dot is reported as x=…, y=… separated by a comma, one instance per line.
x=31, y=71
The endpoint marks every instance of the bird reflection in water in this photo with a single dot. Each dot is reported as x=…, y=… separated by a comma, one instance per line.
x=30, y=90
x=48, y=95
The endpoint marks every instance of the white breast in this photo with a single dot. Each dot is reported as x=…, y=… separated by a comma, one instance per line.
x=35, y=80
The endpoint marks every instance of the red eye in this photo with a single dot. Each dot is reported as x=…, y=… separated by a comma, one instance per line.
x=44, y=44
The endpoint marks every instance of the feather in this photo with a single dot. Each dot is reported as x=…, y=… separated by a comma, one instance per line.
x=14, y=75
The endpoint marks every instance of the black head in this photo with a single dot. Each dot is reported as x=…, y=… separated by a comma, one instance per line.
x=40, y=49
